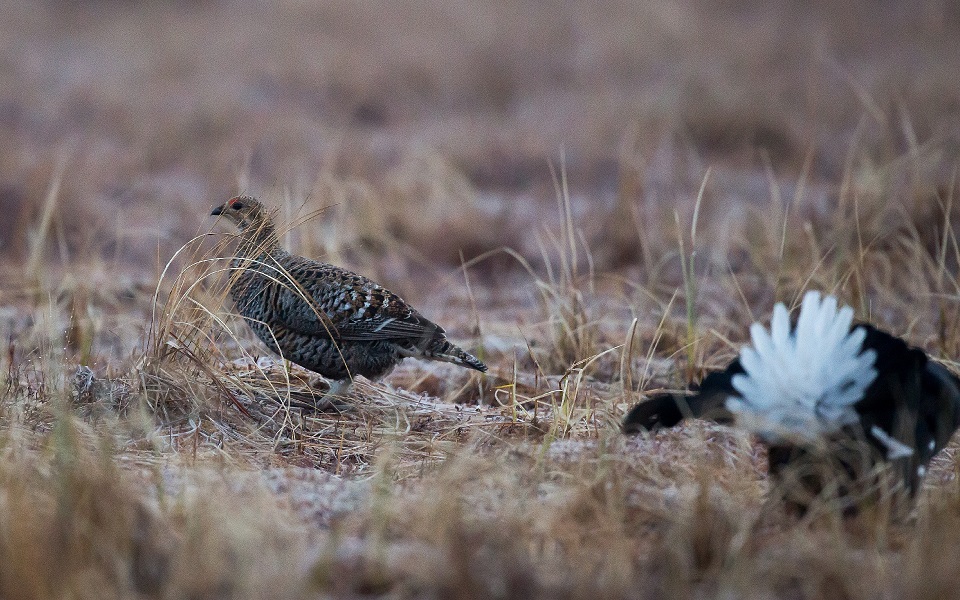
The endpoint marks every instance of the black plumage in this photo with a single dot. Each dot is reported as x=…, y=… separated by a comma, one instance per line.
x=912, y=405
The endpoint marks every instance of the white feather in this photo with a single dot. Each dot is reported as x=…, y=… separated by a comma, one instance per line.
x=895, y=448
x=803, y=382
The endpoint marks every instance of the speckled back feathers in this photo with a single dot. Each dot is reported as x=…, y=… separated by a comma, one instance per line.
x=323, y=317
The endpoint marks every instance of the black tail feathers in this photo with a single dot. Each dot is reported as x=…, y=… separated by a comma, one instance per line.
x=441, y=349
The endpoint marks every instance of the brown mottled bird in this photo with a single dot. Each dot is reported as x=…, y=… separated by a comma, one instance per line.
x=322, y=317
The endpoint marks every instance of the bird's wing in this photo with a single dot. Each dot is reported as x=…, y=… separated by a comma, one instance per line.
x=345, y=306
x=412, y=326
x=941, y=412
x=298, y=309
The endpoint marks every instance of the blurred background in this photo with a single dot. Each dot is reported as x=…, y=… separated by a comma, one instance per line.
x=431, y=126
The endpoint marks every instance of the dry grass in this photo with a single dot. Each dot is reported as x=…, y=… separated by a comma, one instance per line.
x=599, y=199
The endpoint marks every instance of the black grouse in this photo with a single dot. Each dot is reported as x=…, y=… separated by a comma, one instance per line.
x=828, y=397
x=322, y=317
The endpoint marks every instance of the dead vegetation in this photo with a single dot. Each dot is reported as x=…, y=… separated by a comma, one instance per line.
x=598, y=199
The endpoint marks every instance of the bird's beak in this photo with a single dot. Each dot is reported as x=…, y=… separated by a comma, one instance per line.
x=217, y=211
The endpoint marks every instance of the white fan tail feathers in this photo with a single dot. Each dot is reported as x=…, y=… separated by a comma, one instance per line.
x=803, y=382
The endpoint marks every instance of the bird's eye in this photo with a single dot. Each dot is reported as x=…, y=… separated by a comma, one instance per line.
x=236, y=205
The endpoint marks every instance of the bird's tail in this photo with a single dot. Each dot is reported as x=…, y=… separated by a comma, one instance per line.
x=443, y=350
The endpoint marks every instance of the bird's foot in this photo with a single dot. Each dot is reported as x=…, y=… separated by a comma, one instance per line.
x=337, y=398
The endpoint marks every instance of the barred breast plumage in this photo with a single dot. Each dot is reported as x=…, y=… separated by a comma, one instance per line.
x=322, y=317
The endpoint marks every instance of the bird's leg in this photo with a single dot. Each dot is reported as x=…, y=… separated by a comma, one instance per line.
x=339, y=388
x=337, y=396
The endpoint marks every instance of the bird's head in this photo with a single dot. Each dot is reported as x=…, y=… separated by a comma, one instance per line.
x=246, y=212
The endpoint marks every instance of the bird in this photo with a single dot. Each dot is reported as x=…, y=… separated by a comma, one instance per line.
x=325, y=318
x=831, y=399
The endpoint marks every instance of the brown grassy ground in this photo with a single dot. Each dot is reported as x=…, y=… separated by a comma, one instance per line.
x=597, y=198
